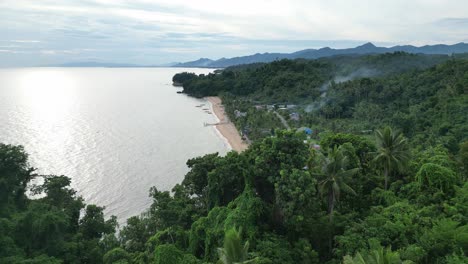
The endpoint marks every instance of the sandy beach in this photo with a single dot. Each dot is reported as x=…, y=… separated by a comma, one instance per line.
x=227, y=129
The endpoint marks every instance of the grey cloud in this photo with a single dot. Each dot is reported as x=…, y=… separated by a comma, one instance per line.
x=25, y=41
x=156, y=32
x=448, y=22
x=75, y=33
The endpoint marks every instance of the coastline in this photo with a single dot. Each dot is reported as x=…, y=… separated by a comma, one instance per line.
x=225, y=127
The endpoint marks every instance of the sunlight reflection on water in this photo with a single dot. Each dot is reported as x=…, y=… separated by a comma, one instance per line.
x=115, y=132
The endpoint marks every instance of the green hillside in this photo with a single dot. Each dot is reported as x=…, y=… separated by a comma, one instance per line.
x=381, y=179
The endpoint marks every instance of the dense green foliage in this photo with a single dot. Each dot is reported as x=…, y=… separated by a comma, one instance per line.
x=296, y=80
x=397, y=195
x=181, y=78
x=56, y=228
x=290, y=203
x=425, y=97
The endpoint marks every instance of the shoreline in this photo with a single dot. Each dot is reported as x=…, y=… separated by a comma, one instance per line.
x=227, y=129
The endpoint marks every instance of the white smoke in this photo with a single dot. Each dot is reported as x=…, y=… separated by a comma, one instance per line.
x=360, y=73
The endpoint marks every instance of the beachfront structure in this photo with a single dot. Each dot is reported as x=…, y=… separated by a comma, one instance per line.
x=286, y=106
x=308, y=131
x=260, y=107
x=294, y=116
x=238, y=113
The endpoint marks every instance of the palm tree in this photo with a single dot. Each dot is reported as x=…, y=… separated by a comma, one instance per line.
x=375, y=255
x=392, y=152
x=233, y=251
x=335, y=170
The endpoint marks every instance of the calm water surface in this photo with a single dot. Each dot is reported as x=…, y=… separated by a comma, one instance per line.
x=115, y=132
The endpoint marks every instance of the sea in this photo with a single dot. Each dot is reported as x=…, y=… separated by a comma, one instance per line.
x=116, y=132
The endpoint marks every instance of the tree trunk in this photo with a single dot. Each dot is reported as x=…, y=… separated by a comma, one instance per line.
x=386, y=178
x=331, y=206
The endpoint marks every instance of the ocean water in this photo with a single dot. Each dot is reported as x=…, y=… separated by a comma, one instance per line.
x=115, y=131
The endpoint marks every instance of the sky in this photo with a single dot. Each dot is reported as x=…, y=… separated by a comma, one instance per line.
x=155, y=32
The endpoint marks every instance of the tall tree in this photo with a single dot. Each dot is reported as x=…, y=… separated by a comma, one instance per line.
x=335, y=170
x=375, y=255
x=15, y=174
x=392, y=151
x=233, y=250
x=463, y=159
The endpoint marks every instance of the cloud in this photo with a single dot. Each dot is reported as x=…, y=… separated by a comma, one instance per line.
x=25, y=41
x=179, y=50
x=160, y=31
x=453, y=21
x=75, y=33
x=56, y=52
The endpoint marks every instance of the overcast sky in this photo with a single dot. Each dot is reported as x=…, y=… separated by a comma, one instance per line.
x=41, y=32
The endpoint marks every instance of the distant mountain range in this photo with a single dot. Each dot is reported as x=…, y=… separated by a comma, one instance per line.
x=99, y=64
x=367, y=48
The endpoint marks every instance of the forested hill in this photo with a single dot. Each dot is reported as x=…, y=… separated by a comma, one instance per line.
x=295, y=80
x=380, y=178
x=421, y=95
x=367, y=48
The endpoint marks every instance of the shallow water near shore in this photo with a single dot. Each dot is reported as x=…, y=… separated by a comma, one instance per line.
x=115, y=132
